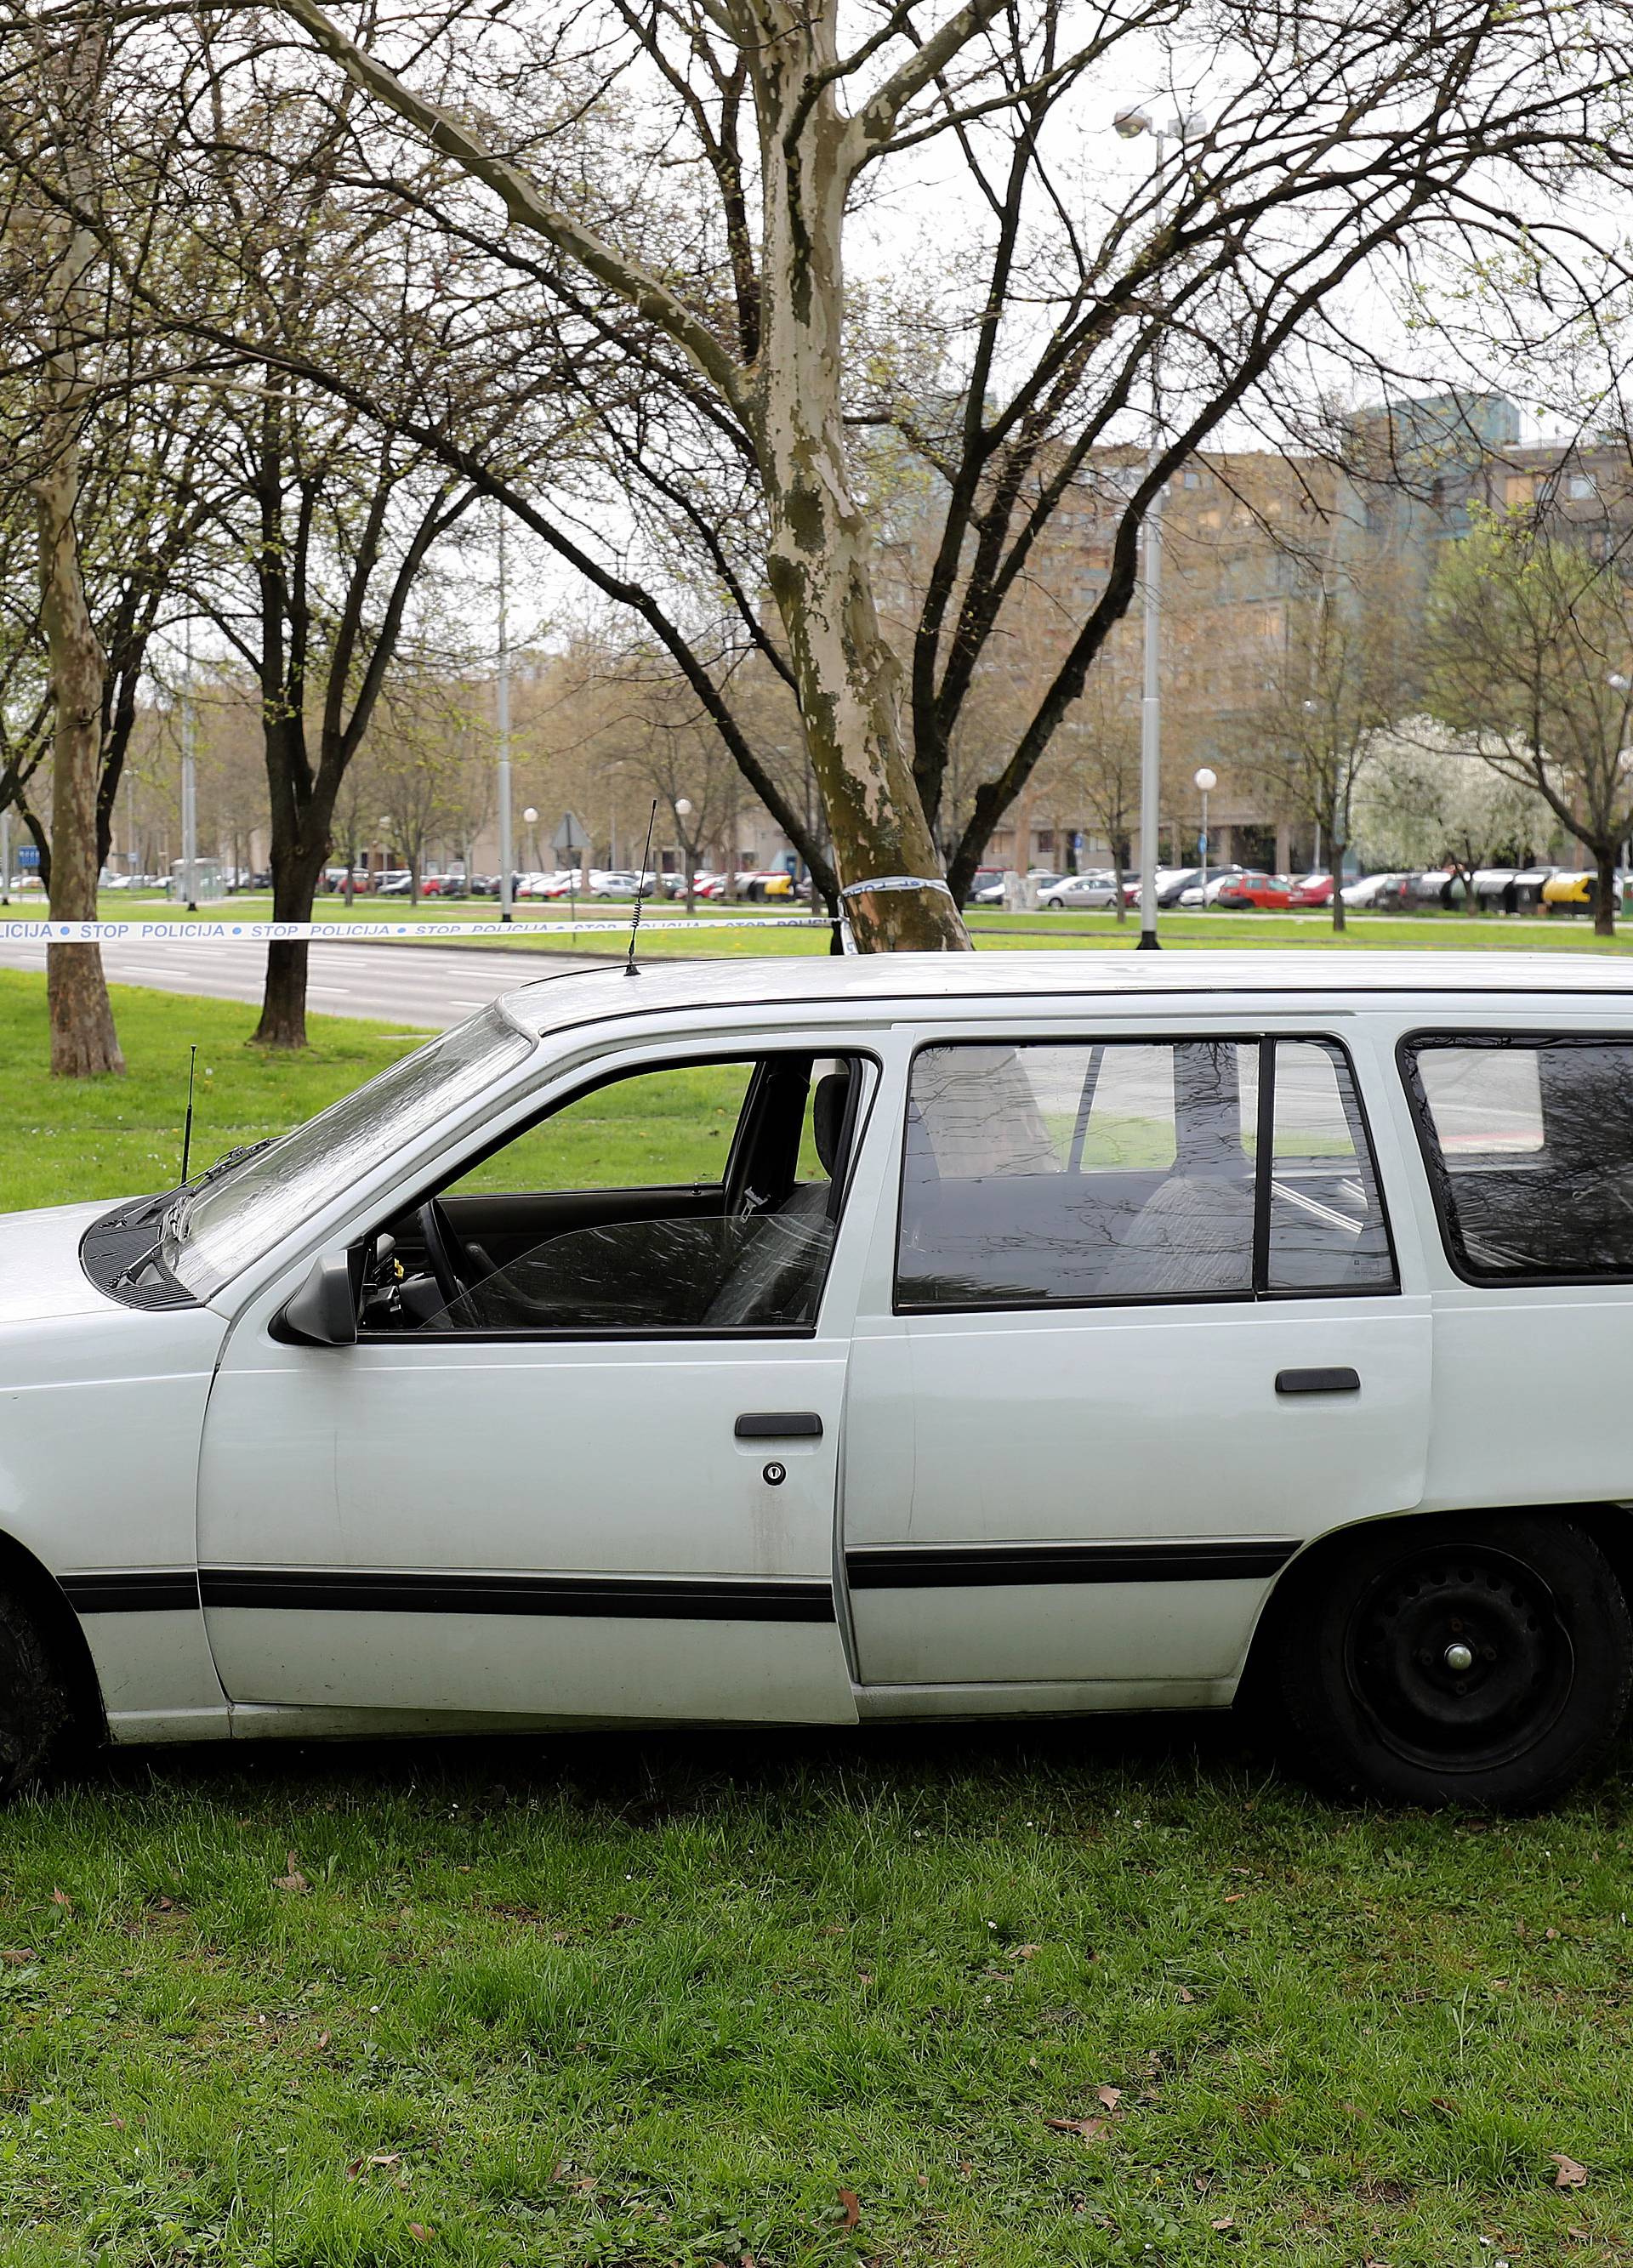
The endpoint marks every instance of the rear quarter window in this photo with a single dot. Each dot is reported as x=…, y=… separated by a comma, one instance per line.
x=1528, y=1142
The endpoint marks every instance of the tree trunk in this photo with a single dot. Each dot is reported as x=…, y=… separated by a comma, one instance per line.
x=283, y=1001
x=84, y=1044
x=1336, y=869
x=820, y=559
x=1117, y=870
x=1605, y=891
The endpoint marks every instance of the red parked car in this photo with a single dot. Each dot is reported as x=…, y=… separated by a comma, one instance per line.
x=1314, y=890
x=1271, y=891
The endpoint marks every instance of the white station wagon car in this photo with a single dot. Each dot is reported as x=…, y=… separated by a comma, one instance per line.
x=821, y=1340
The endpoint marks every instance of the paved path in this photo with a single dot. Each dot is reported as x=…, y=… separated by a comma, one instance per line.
x=420, y=984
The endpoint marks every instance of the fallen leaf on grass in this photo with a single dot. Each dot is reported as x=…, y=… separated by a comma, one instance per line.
x=1187, y=1999
x=292, y=1880
x=1109, y=2096
x=851, y=2205
x=322, y=2039
x=1571, y=2175
x=1223, y=2221
x=1025, y=1952
x=1088, y=2129
x=16, y=1956
x=61, y=1898
x=379, y=2158
x=418, y=2231
x=1235, y=1898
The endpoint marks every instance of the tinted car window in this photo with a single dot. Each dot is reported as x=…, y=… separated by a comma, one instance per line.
x=1529, y=1144
x=1043, y=1173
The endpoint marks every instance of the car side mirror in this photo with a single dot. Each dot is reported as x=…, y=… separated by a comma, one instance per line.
x=324, y=1310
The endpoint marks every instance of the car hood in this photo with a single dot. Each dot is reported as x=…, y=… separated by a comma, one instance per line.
x=40, y=1275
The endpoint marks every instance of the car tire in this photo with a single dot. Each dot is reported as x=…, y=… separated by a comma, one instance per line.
x=35, y=1707
x=1482, y=1660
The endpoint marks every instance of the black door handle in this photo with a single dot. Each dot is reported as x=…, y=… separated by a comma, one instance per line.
x=1342, y=1380
x=779, y=1425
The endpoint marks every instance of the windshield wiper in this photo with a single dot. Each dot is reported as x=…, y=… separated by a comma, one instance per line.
x=225, y=1164
x=201, y=1182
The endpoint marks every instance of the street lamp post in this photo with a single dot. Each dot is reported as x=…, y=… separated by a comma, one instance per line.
x=530, y=819
x=1619, y=683
x=1206, y=781
x=682, y=812
x=189, y=779
x=1130, y=124
x=501, y=704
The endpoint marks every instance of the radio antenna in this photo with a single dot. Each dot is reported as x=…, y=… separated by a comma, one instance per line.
x=629, y=968
x=186, y=1131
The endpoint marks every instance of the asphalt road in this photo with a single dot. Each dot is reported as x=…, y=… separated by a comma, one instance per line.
x=418, y=984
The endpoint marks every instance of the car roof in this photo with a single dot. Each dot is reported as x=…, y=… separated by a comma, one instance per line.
x=933, y=981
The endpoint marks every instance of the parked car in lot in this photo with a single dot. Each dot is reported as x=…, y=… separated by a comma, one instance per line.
x=1375, y=892
x=1080, y=890
x=1569, y=893
x=1311, y=889
x=984, y=878
x=1197, y=893
x=911, y=1244
x=1249, y=889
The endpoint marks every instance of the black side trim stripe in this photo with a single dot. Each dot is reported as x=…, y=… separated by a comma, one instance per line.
x=669, y=1598
x=935, y=1567
x=145, y=1592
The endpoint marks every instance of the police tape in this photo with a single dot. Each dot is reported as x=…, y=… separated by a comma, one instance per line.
x=204, y=932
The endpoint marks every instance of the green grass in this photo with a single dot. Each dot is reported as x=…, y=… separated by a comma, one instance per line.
x=642, y=2000
x=62, y=1139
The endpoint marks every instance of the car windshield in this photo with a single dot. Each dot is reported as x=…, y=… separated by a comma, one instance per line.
x=218, y=1229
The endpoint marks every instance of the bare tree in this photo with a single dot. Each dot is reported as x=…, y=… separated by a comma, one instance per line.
x=70, y=84
x=1341, y=676
x=1530, y=646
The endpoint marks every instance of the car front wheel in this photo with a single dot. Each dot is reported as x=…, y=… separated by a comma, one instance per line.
x=1484, y=1660
x=34, y=1700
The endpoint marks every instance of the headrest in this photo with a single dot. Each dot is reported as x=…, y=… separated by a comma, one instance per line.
x=828, y=1103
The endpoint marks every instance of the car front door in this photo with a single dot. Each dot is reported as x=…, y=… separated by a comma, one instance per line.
x=1145, y=1332
x=580, y=1461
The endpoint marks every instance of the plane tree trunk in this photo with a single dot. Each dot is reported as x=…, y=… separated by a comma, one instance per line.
x=819, y=564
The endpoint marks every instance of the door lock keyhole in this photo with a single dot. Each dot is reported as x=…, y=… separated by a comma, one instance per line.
x=774, y=1474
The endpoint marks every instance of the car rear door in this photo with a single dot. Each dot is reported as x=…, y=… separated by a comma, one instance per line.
x=1140, y=1330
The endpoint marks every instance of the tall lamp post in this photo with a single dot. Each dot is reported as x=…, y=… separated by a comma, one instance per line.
x=501, y=704
x=1206, y=781
x=1619, y=683
x=530, y=819
x=1130, y=124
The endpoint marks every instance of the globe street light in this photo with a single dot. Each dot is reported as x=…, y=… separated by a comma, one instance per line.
x=682, y=812
x=1206, y=781
x=530, y=819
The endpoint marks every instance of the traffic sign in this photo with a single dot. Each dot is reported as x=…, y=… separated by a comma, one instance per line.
x=572, y=835
x=28, y=856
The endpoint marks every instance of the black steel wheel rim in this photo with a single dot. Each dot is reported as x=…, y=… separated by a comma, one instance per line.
x=1460, y=1658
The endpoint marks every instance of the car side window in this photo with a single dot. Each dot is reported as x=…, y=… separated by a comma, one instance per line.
x=1528, y=1140
x=1066, y=1173
x=688, y=1198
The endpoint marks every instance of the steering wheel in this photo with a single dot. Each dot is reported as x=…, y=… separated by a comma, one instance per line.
x=450, y=1263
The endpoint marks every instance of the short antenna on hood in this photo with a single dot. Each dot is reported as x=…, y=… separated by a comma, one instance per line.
x=629, y=968
x=186, y=1129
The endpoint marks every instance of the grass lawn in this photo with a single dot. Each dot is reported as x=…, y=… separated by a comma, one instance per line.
x=636, y=2001
x=642, y=2000
x=60, y=1139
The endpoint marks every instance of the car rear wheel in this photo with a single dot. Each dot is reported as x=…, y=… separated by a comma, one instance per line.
x=1485, y=1660
x=33, y=1697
